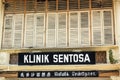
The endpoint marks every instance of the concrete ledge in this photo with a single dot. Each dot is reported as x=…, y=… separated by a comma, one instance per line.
x=61, y=67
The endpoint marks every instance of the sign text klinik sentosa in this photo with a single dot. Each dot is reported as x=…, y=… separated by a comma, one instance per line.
x=56, y=58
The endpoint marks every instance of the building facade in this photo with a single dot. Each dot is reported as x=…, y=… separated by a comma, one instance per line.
x=46, y=26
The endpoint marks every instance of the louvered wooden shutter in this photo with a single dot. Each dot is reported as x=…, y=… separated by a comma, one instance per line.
x=18, y=30
x=96, y=4
x=108, y=32
x=97, y=27
x=30, y=5
x=73, y=38
x=11, y=6
x=107, y=3
x=84, y=4
x=62, y=4
x=73, y=4
x=39, y=32
x=29, y=30
x=8, y=32
x=19, y=5
x=51, y=30
x=62, y=30
x=84, y=28
x=40, y=6
x=51, y=5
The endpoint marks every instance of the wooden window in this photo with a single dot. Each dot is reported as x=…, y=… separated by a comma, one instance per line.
x=51, y=30
x=18, y=30
x=101, y=3
x=62, y=4
x=39, y=30
x=30, y=5
x=84, y=4
x=84, y=28
x=108, y=32
x=40, y=6
x=10, y=6
x=34, y=30
x=19, y=6
x=96, y=4
x=97, y=27
x=102, y=27
x=13, y=31
x=62, y=30
x=73, y=37
x=107, y=3
x=8, y=32
x=73, y=4
x=51, y=5
x=29, y=30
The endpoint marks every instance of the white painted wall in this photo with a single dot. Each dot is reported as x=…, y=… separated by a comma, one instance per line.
x=2, y=78
x=1, y=20
x=117, y=26
x=4, y=58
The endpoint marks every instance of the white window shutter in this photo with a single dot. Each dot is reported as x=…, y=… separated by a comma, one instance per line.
x=18, y=30
x=96, y=28
x=108, y=32
x=29, y=31
x=8, y=32
x=84, y=29
x=62, y=30
x=40, y=28
x=73, y=31
x=51, y=30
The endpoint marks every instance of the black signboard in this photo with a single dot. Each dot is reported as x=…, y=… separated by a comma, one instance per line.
x=57, y=74
x=56, y=58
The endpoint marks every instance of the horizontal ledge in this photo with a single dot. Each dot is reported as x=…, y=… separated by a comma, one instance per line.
x=84, y=48
x=61, y=67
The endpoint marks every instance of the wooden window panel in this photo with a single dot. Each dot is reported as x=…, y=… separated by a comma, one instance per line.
x=73, y=36
x=39, y=30
x=8, y=32
x=108, y=32
x=62, y=4
x=84, y=4
x=96, y=27
x=51, y=5
x=51, y=30
x=30, y=5
x=40, y=5
x=107, y=3
x=18, y=30
x=73, y=4
x=13, y=59
x=29, y=31
x=10, y=6
x=84, y=29
x=101, y=57
x=19, y=5
x=62, y=30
